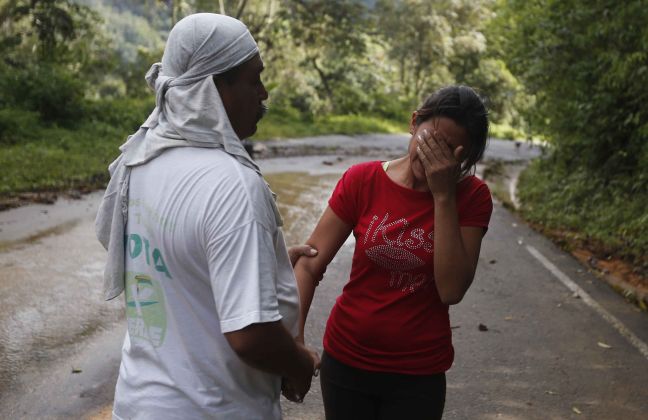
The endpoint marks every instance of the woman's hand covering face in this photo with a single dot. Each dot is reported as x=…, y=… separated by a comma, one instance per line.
x=441, y=162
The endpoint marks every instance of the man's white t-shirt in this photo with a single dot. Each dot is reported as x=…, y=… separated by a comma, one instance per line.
x=204, y=256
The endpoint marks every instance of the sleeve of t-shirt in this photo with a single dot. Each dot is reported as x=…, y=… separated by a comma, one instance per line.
x=344, y=200
x=243, y=273
x=479, y=210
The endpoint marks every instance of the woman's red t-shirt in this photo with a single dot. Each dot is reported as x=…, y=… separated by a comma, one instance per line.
x=389, y=317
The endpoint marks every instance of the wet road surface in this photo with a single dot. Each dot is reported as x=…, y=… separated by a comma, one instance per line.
x=541, y=356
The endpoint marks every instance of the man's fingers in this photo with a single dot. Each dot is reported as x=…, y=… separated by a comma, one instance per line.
x=298, y=251
x=289, y=392
x=304, y=250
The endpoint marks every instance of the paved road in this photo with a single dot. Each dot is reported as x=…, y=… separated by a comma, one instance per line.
x=546, y=354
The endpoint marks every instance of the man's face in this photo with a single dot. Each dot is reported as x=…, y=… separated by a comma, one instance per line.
x=243, y=97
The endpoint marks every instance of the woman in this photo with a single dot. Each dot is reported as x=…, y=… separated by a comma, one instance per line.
x=418, y=222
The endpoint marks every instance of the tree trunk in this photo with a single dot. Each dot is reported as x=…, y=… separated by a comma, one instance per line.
x=241, y=9
x=324, y=79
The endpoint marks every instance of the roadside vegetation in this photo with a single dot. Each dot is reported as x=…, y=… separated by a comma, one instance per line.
x=52, y=158
x=72, y=73
x=586, y=65
x=571, y=72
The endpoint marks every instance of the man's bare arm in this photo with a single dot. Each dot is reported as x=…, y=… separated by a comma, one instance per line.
x=269, y=347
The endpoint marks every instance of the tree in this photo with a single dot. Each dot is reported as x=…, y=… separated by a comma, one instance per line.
x=54, y=81
x=587, y=64
x=54, y=23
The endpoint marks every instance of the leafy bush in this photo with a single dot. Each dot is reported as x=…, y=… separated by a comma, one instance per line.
x=287, y=123
x=61, y=159
x=48, y=89
x=126, y=113
x=586, y=62
x=609, y=216
x=506, y=132
x=17, y=125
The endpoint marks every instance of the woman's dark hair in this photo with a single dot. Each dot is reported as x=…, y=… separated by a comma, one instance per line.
x=466, y=108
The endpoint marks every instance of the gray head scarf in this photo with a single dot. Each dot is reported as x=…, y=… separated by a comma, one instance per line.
x=188, y=112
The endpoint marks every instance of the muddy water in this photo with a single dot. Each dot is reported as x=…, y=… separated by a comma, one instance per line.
x=302, y=198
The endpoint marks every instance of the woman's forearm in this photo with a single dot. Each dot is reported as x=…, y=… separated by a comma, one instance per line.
x=453, y=268
x=306, y=282
x=327, y=238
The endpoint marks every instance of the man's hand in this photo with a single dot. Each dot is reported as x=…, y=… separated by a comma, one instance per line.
x=296, y=388
x=296, y=252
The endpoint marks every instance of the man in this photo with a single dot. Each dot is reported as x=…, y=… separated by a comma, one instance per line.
x=189, y=223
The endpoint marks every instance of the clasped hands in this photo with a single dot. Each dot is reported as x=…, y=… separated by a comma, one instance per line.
x=441, y=162
x=295, y=389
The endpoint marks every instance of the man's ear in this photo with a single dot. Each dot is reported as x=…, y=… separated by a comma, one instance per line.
x=412, y=126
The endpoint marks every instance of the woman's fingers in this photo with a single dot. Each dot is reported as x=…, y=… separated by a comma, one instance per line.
x=458, y=153
x=436, y=148
x=443, y=146
x=426, y=155
x=424, y=144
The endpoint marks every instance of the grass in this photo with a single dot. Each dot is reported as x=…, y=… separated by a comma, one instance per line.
x=507, y=132
x=57, y=159
x=285, y=125
x=60, y=159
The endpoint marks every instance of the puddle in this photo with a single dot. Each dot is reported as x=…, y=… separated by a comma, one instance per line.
x=301, y=198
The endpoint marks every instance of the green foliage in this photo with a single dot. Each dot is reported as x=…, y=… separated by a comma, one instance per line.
x=610, y=216
x=51, y=90
x=59, y=158
x=57, y=30
x=505, y=132
x=329, y=35
x=332, y=66
x=54, y=158
x=135, y=28
x=290, y=124
x=126, y=113
x=17, y=125
x=587, y=64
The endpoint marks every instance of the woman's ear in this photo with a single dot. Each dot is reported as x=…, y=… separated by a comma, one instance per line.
x=412, y=126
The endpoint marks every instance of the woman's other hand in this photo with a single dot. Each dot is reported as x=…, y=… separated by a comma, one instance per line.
x=296, y=388
x=441, y=163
